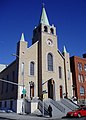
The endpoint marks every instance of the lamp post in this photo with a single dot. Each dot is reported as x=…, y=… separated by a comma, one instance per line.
x=23, y=91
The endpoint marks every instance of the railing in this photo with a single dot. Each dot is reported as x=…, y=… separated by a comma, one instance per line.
x=73, y=102
x=40, y=106
x=57, y=105
x=66, y=103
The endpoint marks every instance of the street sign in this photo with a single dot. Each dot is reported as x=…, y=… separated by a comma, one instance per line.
x=24, y=91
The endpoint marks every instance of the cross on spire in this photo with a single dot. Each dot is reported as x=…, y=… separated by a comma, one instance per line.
x=44, y=18
x=43, y=4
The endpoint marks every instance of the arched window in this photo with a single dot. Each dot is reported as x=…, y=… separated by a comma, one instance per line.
x=82, y=90
x=45, y=29
x=50, y=62
x=52, y=31
x=60, y=72
x=31, y=68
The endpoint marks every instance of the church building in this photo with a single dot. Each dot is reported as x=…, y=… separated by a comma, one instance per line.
x=40, y=71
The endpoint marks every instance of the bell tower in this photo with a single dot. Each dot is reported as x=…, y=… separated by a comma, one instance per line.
x=46, y=36
x=44, y=29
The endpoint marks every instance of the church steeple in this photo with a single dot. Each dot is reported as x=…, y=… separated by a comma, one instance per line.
x=43, y=27
x=22, y=37
x=44, y=18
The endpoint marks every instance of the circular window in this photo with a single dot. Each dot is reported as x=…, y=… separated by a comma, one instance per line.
x=49, y=42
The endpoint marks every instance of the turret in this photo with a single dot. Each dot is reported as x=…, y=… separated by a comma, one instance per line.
x=21, y=45
x=68, y=74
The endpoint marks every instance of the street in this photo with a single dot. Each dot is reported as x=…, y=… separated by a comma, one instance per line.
x=83, y=118
x=14, y=116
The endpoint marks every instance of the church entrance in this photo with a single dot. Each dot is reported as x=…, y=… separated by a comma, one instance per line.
x=61, y=92
x=51, y=88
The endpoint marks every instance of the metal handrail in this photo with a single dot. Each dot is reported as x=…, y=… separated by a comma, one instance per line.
x=40, y=106
x=57, y=105
x=67, y=104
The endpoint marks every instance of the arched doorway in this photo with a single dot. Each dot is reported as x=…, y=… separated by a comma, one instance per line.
x=61, y=91
x=51, y=88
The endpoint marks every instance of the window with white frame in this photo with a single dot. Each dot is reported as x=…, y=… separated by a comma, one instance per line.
x=32, y=68
x=82, y=90
x=50, y=62
x=85, y=77
x=85, y=67
x=79, y=66
x=80, y=78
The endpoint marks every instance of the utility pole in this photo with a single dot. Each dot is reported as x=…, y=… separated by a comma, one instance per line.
x=23, y=91
x=23, y=104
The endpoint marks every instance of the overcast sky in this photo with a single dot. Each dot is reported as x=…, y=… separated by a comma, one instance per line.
x=17, y=16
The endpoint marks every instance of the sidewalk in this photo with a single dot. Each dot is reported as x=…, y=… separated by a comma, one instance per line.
x=14, y=116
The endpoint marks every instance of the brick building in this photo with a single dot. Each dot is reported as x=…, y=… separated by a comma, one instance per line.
x=78, y=68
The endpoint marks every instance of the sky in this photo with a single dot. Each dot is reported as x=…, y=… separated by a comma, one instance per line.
x=21, y=16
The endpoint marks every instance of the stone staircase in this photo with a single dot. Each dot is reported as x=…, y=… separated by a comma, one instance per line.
x=59, y=108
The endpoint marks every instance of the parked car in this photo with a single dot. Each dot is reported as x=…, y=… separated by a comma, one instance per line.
x=9, y=111
x=77, y=113
x=2, y=111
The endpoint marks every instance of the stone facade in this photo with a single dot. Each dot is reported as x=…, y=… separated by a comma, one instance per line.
x=42, y=70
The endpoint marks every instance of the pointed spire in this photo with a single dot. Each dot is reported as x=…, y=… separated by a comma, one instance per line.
x=44, y=18
x=22, y=37
x=64, y=50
